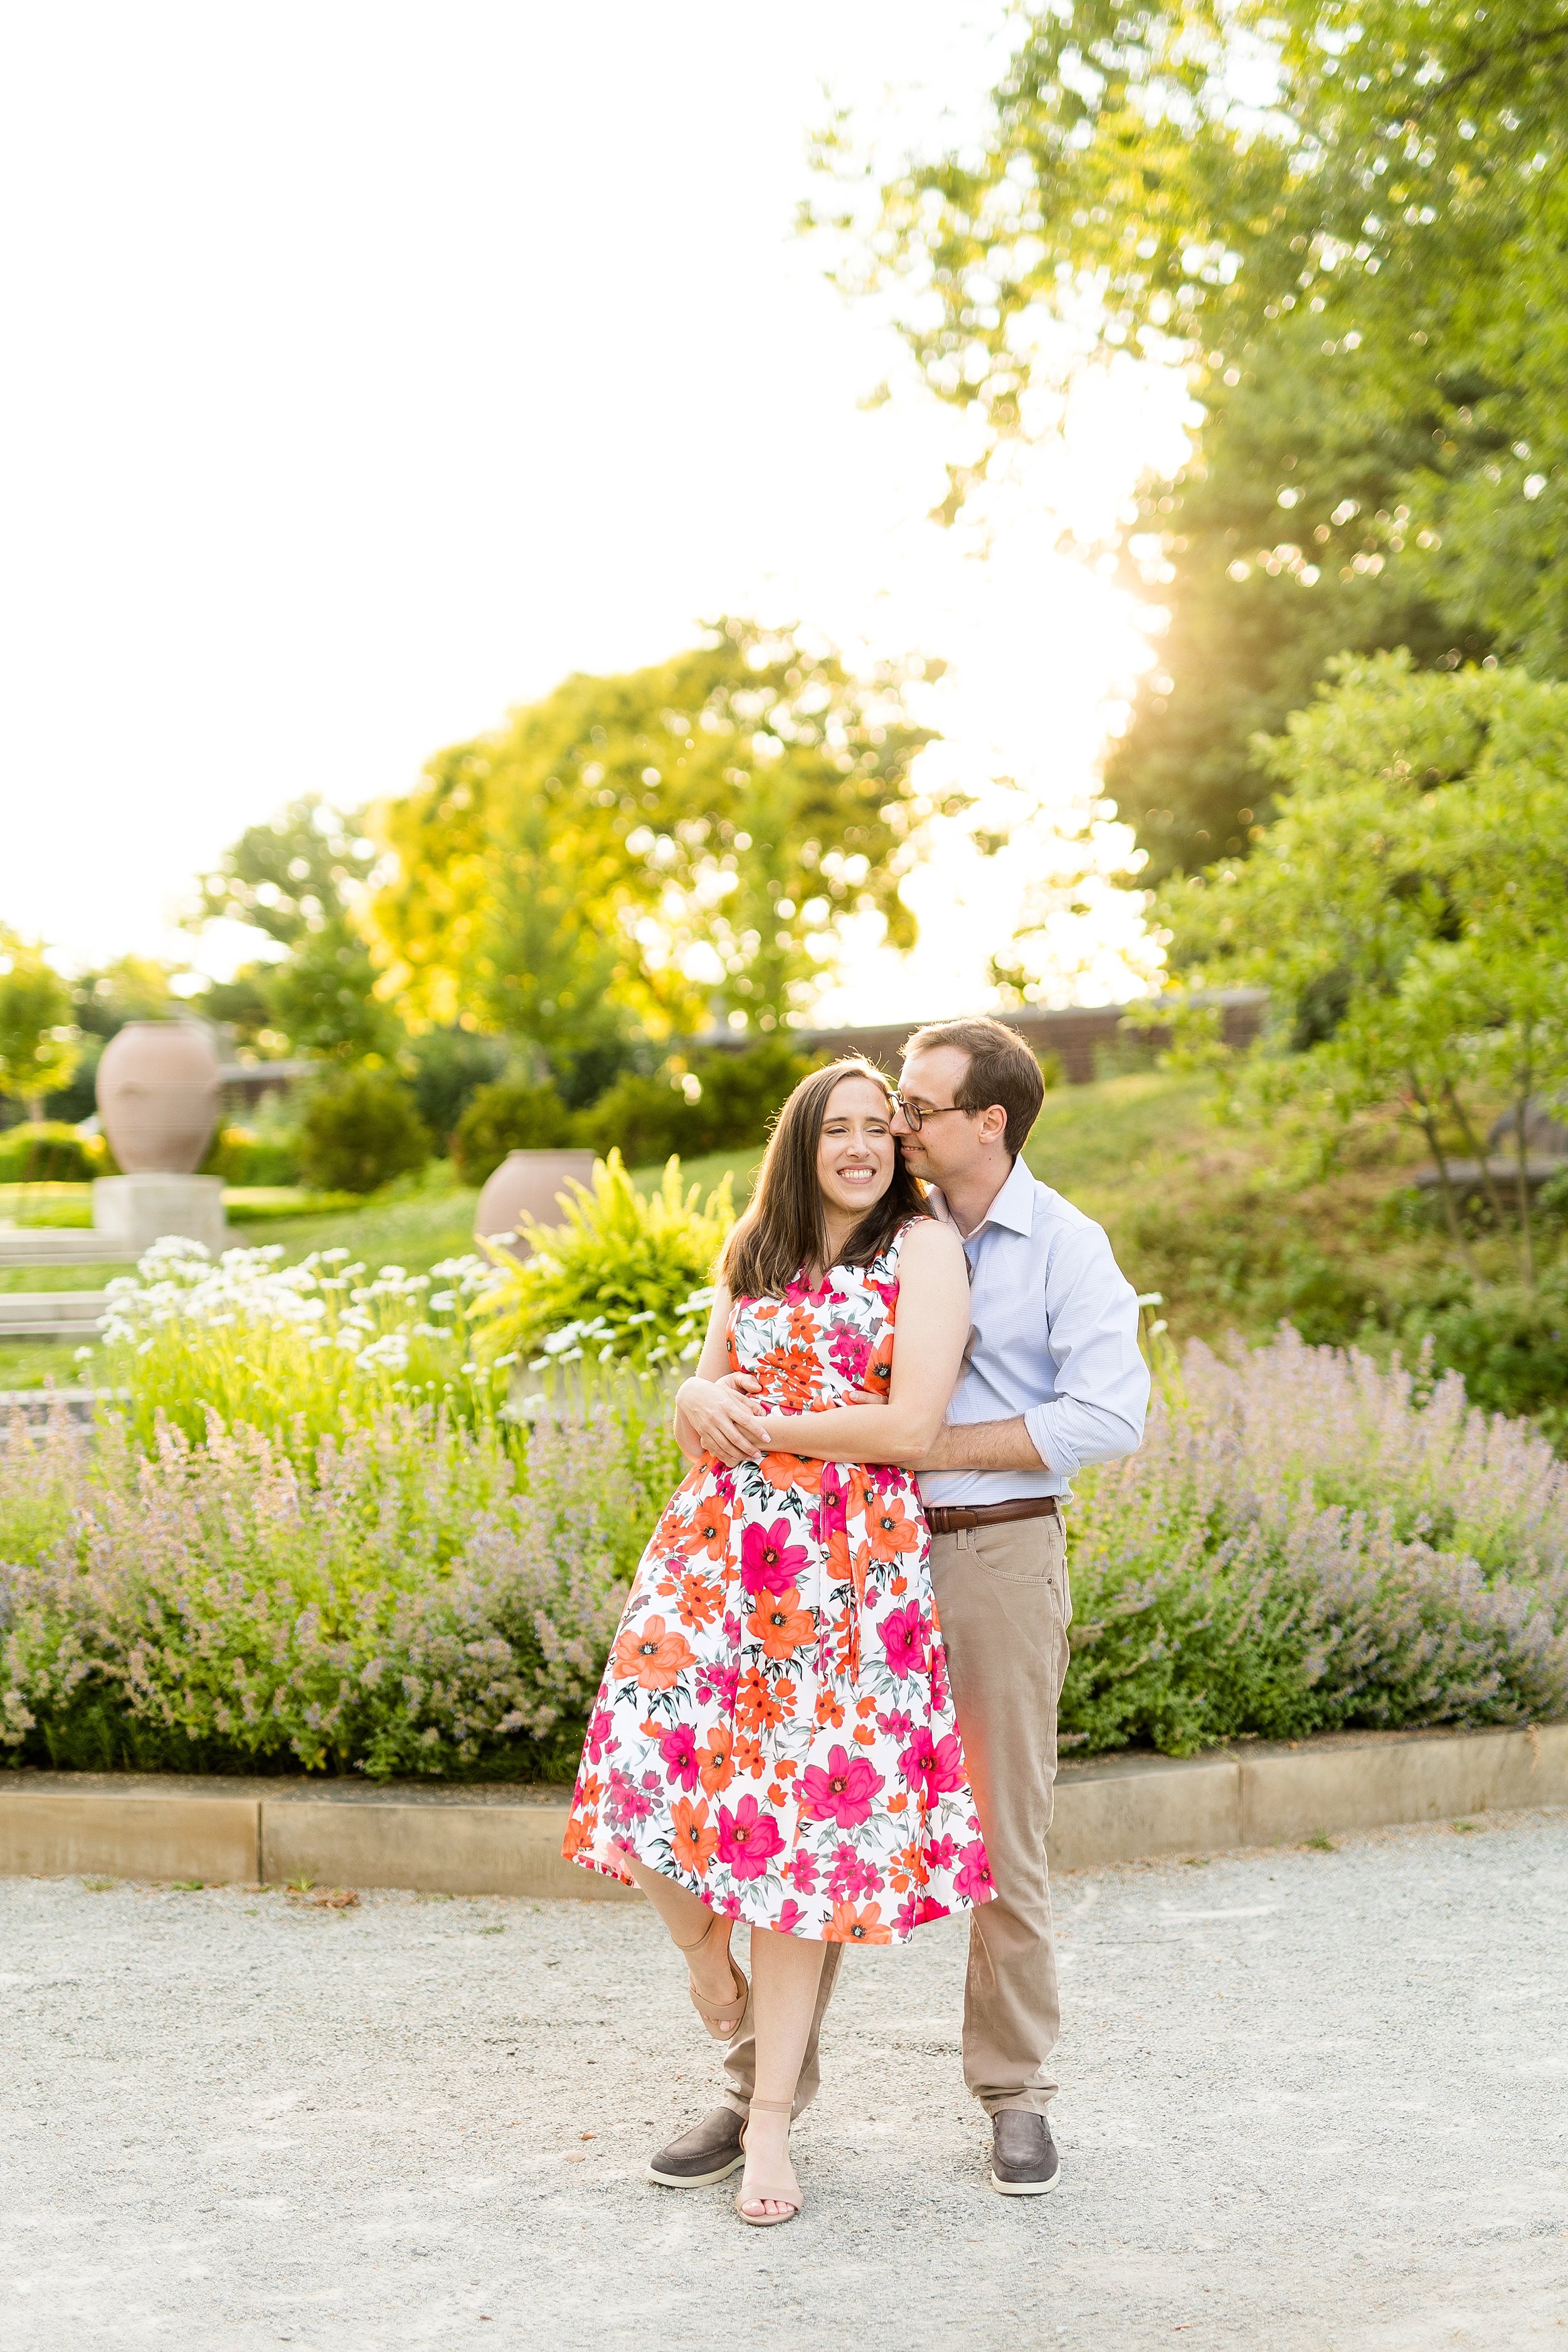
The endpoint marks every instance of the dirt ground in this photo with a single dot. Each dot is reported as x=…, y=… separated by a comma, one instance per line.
x=1313, y=2102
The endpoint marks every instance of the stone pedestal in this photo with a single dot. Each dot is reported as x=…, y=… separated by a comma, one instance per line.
x=131, y=1212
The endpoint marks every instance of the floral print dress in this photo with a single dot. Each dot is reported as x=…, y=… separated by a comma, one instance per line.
x=774, y=1729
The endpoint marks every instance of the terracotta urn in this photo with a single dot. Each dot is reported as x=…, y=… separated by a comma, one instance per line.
x=158, y=1096
x=528, y=1184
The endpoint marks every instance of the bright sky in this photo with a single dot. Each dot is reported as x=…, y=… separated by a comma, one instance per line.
x=373, y=366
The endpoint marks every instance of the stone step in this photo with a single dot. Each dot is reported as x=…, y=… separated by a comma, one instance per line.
x=51, y=1314
x=57, y=1245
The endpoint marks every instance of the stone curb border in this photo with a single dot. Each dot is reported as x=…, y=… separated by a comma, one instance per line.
x=1118, y=1809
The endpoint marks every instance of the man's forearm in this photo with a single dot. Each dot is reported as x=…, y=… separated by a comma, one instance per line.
x=983, y=1445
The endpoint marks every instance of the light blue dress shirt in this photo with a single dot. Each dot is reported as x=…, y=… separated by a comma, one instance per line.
x=1053, y=1336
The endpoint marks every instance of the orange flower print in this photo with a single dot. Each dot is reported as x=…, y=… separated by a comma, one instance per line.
x=749, y=1756
x=711, y=1527
x=780, y=1624
x=848, y=1926
x=783, y=1471
x=890, y=1528
x=756, y=1706
x=717, y=1769
x=700, y=1602
x=830, y=1707
x=790, y=1375
x=654, y=1658
x=578, y=1829
x=694, y=1843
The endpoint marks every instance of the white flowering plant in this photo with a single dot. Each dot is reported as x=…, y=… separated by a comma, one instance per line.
x=303, y=1349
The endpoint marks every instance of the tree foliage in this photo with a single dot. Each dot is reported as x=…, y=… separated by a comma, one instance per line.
x=297, y=881
x=38, y=1041
x=1407, y=910
x=1348, y=222
x=642, y=848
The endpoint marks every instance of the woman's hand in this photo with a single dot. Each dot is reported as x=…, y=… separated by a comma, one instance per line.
x=720, y=1419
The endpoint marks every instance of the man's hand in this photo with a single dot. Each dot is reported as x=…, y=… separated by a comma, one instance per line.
x=720, y=1419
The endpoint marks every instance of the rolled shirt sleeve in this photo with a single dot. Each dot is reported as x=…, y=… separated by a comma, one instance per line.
x=1102, y=1380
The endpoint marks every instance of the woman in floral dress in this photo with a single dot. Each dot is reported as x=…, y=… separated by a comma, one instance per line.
x=773, y=1739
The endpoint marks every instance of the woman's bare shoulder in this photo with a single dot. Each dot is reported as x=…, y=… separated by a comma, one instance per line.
x=928, y=1243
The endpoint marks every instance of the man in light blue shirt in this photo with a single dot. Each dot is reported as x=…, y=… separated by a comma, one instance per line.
x=1053, y=1379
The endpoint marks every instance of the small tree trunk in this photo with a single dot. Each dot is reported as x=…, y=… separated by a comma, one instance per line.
x=33, y=1107
x=1429, y=1126
x=1526, y=1239
x=1494, y=1198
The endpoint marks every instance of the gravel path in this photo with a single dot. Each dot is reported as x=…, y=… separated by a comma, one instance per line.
x=1314, y=2101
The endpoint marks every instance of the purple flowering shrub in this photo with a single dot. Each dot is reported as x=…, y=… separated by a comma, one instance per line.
x=427, y=1598
x=1305, y=1543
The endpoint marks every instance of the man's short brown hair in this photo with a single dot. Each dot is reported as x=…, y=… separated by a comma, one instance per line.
x=1001, y=1069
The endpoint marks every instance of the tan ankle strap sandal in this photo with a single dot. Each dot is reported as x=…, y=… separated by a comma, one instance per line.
x=792, y=2198
x=723, y=2018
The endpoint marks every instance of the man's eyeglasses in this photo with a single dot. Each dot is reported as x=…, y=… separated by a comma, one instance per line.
x=914, y=1117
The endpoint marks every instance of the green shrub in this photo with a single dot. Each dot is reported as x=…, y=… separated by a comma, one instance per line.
x=250, y=1160
x=359, y=1132
x=625, y=1278
x=723, y=1101
x=645, y=1120
x=48, y=1153
x=449, y=1067
x=510, y=1116
x=1509, y=1345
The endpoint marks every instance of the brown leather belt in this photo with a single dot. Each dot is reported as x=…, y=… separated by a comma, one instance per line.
x=946, y=1519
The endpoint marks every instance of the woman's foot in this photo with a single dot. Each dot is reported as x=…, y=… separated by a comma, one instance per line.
x=769, y=2191
x=718, y=1991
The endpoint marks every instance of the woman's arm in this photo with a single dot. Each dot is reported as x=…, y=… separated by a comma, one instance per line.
x=932, y=1326
x=709, y=1419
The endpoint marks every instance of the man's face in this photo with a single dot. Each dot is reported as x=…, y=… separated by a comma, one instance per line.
x=948, y=1146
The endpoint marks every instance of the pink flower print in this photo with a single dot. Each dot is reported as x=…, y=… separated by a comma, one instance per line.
x=938, y=1679
x=904, y=1640
x=897, y=1725
x=942, y=1853
x=933, y=1767
x=802, y=1870
x=769, y=1561
x=848, y=1353
x=748, y=1839
x=843, y=1793
x=720, y=1682
x=930, y=1908
x=789, y=1918
x=599, y=1733
x=729, y=1904
x=908, y=1915
x=679, y=1749
x=972, y=1879
x=852, y=1879
x=625, y=1802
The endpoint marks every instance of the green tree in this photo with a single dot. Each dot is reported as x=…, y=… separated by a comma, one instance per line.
x=295, y=880
x=635, y=850
x=1408, y=911
x=1347, y=224
x=39, y=1046
x=360, y=1129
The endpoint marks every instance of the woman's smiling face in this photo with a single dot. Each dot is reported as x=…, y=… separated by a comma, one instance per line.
x=855, y=1153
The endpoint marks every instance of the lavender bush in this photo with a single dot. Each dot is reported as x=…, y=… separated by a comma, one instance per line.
x=1306, y=1542
x=412, y=1600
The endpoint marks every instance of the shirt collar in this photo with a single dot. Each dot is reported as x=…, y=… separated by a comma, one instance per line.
x=1013, y=1207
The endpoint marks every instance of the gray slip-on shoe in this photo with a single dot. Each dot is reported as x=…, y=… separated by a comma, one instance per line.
x=710, y=2151
x=1024, y=2159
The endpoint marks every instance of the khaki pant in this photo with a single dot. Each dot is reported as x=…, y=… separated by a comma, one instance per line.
x=1002, y=1602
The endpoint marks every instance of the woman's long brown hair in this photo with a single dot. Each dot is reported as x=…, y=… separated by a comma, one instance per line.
x=785, y=1228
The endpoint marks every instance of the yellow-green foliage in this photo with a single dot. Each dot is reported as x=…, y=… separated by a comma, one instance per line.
x=626, y=1277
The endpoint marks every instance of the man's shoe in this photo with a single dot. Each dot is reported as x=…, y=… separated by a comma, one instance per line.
x=1024, y=2159
x=710, y=2151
